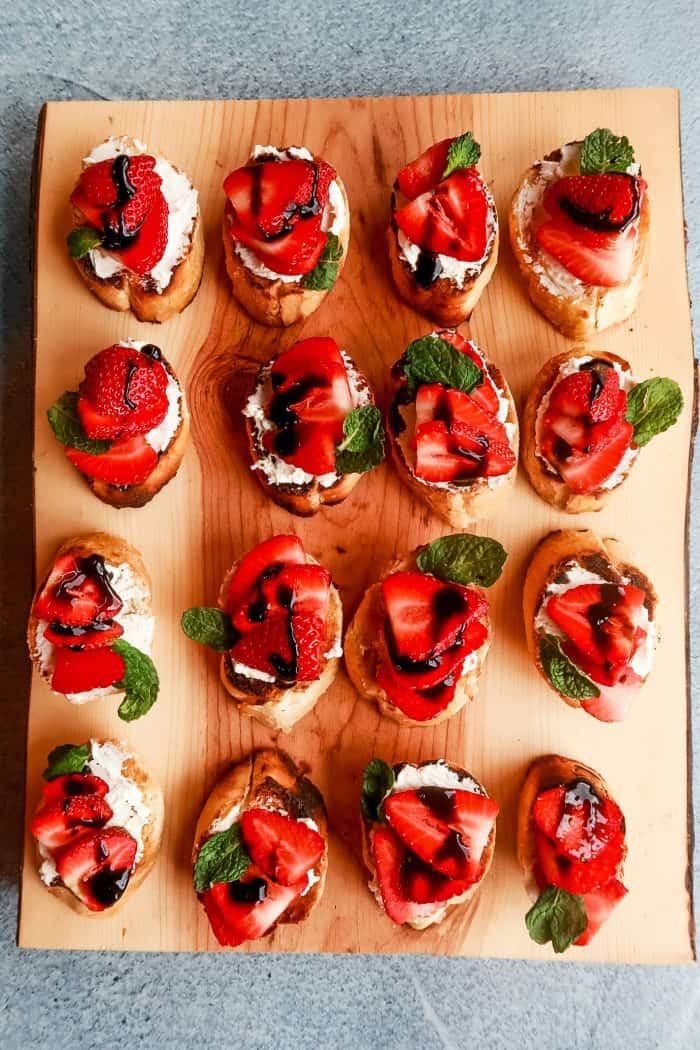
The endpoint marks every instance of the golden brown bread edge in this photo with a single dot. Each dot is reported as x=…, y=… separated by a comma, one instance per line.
x=269, y=776
x=273, y=302
x=461, y=901
x=276, y=707
x=444, y=302
x=361, y=655
x=546, y=563
x=114, y=550
x=549, y=486
x=460, y=506
x=546, y=772
x=597, y=308
x=135, y=770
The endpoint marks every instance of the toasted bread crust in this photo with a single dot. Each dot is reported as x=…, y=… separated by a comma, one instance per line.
x=604, y=556
x=135, y=770
x=444, y=302
x=546, y=772
x=273, y=302
x=459, y=505
x=551, y=487
x=277, y=707
x=441, y=911
x=587, y=310
x=114, y=550
x=362, y=652
x=269, y=778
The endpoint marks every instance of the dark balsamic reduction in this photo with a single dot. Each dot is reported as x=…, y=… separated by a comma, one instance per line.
x=152, y=351
x=446, y=604
x=597, y=367
x=440, y=801
x=251, y=892
x=91, y=567
x=281, y=413
x=108, y=886
x=130, y=369
x=600, y=220
x=600, y=612
x=286, y=670
x=76, y=786
x=396, y=420
x=428, y=268
x=120, y=177
x=116, y=238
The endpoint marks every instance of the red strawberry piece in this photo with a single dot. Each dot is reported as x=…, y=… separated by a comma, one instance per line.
x=578, y=876
x=603, y=260
x=309, y=632
x=247, y=909
x=586, y=471
x=73, y=785
x=599, y=904
x=603, y=203
x=80, y=671
x=277, y=551
x=548, y=809
x=59, y=822
x=309, y=446
x=614, y=702
x=97, y=190
x=97, y=867
x=427, y=615
x=317, y=355
x=421, y=705
x=577, y=821
x=123, y=393
x=148, y=247
x=463, y=408
x=436, y=457
x=494, y=458
x=295, y=254
x=430, y=404
x=77, y=593
x=600, y=620
x=283, y=848
x=607, y=401
x=389, y=855
x=128, y=462
x=451, y=219
x=424, y=886
x=423, y=173
x=269, y=639
x=484, y=393
x=471, y=443
x=93, y=636
x=305, y=588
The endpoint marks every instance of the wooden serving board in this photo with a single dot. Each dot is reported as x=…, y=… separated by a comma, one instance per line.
x=214, y=511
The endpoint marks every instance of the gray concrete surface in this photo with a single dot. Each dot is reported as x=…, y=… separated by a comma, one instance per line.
x=215, y=49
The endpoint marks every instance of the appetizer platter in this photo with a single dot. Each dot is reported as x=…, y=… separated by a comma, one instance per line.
x=360, y=620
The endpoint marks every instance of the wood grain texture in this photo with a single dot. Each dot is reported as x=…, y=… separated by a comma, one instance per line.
x=214, y=511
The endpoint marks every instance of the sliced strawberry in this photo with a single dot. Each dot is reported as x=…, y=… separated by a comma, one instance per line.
x=424, y=886
x=317, y=355
x=599, y=904
x=588, y=470
x=437, y=458
x=421, y=705
x=59, y=822
x=96, y=190
x=604, y=260
x=390, y=855
x=128, y=462
x=579, y=876
x=423, y=173
x=305, y=588
x=494, y=458
x=600, y=620
x=93, y=636
x=426, y=614
x=309, y=446
x=451, y=219
x=267, y=648
x=614, y=702
x=577, y=821
x=97, y=867
x=604, y=203
x=309, y=632
x=277, y=551
x=430, y=404
x=81, y=671
x=470, y=443
x=605, y=398
x=284, y=849
x=247, y=909
x=77, y=593
x=150, y=243
x=73, y=785
x=124, y=393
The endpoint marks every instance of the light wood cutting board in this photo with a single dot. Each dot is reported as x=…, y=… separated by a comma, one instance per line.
x=214, y=511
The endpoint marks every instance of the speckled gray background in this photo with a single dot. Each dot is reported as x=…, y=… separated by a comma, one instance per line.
x=228, y=48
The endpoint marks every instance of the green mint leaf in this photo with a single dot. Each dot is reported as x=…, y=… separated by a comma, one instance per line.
x=463, y=153
x=83, y=239
x=65, y=422
x=377, y=782
x=602, y=151
x=140, y=682
x=652, y=407
x=67, y=758
x=557, y=916
x=563, y=673
x=434, y=360
x=222, y=858
x=325, y=272
x=463, y=558
x=210, y=627
x=362, y=448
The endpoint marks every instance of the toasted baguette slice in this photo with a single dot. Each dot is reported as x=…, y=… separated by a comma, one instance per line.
x=550, y=486
x=169, y=461
x=280, y=707
x=308, y=497
x=443, y=301
x=133, y=769
x=128, y=290
x=115, y=552
x=605, y=557
x=547, y=772
x=442, y=910
x=459, y=505
x=269, y=779
x=578, y=310
x=275, y=302
x=364, y=645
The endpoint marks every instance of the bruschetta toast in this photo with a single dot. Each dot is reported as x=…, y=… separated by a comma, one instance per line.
x=137, y=232
x=260, y=852
x=590, y=622
x=579, y=228
x=98, y=825
x=417, y=643
x=286, y=233
x=313, y=428
x=571, y=849
x=428, y=838
x=278, y=627
x=453, y=427
x=126, y=427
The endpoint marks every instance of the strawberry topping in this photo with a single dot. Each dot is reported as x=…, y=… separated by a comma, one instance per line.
x=425, y=172
x=451, y=219
x=599, y=903
x=245, y=910
x=70, y=805
x=283, y=848
x=128, y=462
x=77, y=593
x=97, y=866
x=78, y=671
x=123, y=392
